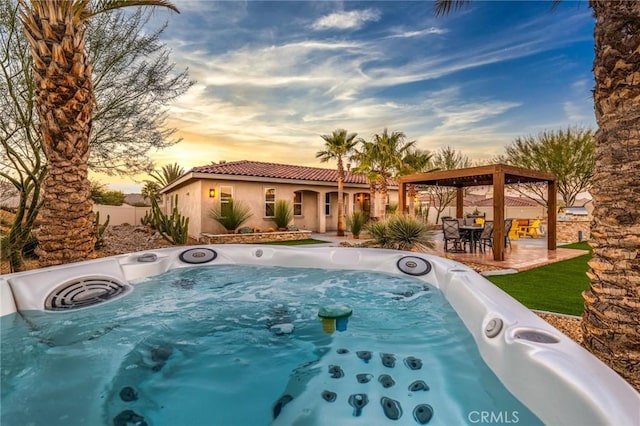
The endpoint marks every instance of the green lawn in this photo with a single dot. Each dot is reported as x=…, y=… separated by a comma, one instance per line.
x=556, y=288
x=296, y=242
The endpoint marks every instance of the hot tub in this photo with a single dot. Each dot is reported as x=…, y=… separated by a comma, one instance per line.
x=333, y=376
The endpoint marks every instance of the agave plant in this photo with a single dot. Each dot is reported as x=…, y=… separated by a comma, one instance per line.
x=282, y=214
x=401, y=233
x=379, y=233
x=235, y=214
x=405, y=233
x=356, y=222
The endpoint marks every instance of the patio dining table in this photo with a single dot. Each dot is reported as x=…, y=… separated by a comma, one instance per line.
x=473, y=231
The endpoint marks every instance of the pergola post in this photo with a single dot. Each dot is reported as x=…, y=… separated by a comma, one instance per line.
x=459, y=202
x=552, y=208
x=402, y=198
x=498, y=215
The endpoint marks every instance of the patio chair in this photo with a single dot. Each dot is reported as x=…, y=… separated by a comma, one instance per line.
x=451, y=231
x=469, y=221
x=486, y=237
x=508, y=223
x=531, y=230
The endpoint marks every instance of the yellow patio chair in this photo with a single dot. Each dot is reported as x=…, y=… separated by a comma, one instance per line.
x=533, y=229
x=513, y=232
x=529, y=230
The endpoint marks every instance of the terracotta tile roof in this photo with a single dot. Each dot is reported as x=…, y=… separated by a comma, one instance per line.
x=279, y=171
x=508, y=202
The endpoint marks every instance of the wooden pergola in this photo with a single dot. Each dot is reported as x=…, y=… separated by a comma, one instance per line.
x=497, y=175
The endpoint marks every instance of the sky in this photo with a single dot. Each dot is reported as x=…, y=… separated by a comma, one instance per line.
x=272, y=77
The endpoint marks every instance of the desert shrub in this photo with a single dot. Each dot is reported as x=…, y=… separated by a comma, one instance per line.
x=378, y=233
x=355, y=222
x=406, y=232
x=28, y=250
x=235, y=214
x=391, y=208
x=401, y=233
x=101, y=195
x=98, y=231
x=282, y=214
x=5, y=222
x=173, y=228
x=4, y=247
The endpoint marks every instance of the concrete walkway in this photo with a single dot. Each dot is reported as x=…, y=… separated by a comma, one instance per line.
x=332, y=240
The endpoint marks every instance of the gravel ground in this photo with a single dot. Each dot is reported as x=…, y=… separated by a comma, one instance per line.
x=121, y=239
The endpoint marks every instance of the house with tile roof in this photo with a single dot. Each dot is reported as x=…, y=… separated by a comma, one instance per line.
x=311, y=191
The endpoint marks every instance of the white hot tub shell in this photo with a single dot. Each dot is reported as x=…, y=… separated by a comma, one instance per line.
x=554, y=377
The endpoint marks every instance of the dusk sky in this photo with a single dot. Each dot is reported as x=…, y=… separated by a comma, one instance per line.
x=271, y=77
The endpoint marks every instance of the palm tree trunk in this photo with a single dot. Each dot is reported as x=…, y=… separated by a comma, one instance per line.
x=611, y=318
x=383, y=196
x=411, y=195
x=65, y=104
x=372, y=200
x=341, y=225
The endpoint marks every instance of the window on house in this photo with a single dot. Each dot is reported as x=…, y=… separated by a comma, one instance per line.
x=269, y=202
x=226, y=195
x=297, y=203
x=327, y=204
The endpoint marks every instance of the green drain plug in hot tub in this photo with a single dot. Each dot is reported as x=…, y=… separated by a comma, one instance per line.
x=335, y=317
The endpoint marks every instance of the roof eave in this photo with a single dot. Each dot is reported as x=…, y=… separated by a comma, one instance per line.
x=184, y=179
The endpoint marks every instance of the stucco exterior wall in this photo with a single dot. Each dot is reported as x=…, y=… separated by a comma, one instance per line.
x=121, y=214
x=309, y=218
x=252, y=195
x=190, y=198
x=195, y=203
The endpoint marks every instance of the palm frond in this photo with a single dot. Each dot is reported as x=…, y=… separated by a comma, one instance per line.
x=86, y=11
x=443, y=7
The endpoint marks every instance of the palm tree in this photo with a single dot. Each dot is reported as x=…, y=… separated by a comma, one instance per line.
x=366, y=164
x=390, y=151
x=415, y=161
x=65, y=100
x=611, y=317
x=167, y=174
x=338, y=145
x=161, y=178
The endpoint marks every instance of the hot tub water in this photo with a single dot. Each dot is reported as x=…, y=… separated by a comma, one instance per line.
x=243, y=345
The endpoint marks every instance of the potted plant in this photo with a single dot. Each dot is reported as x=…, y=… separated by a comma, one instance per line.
x=232, y=216
x=282, y=214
